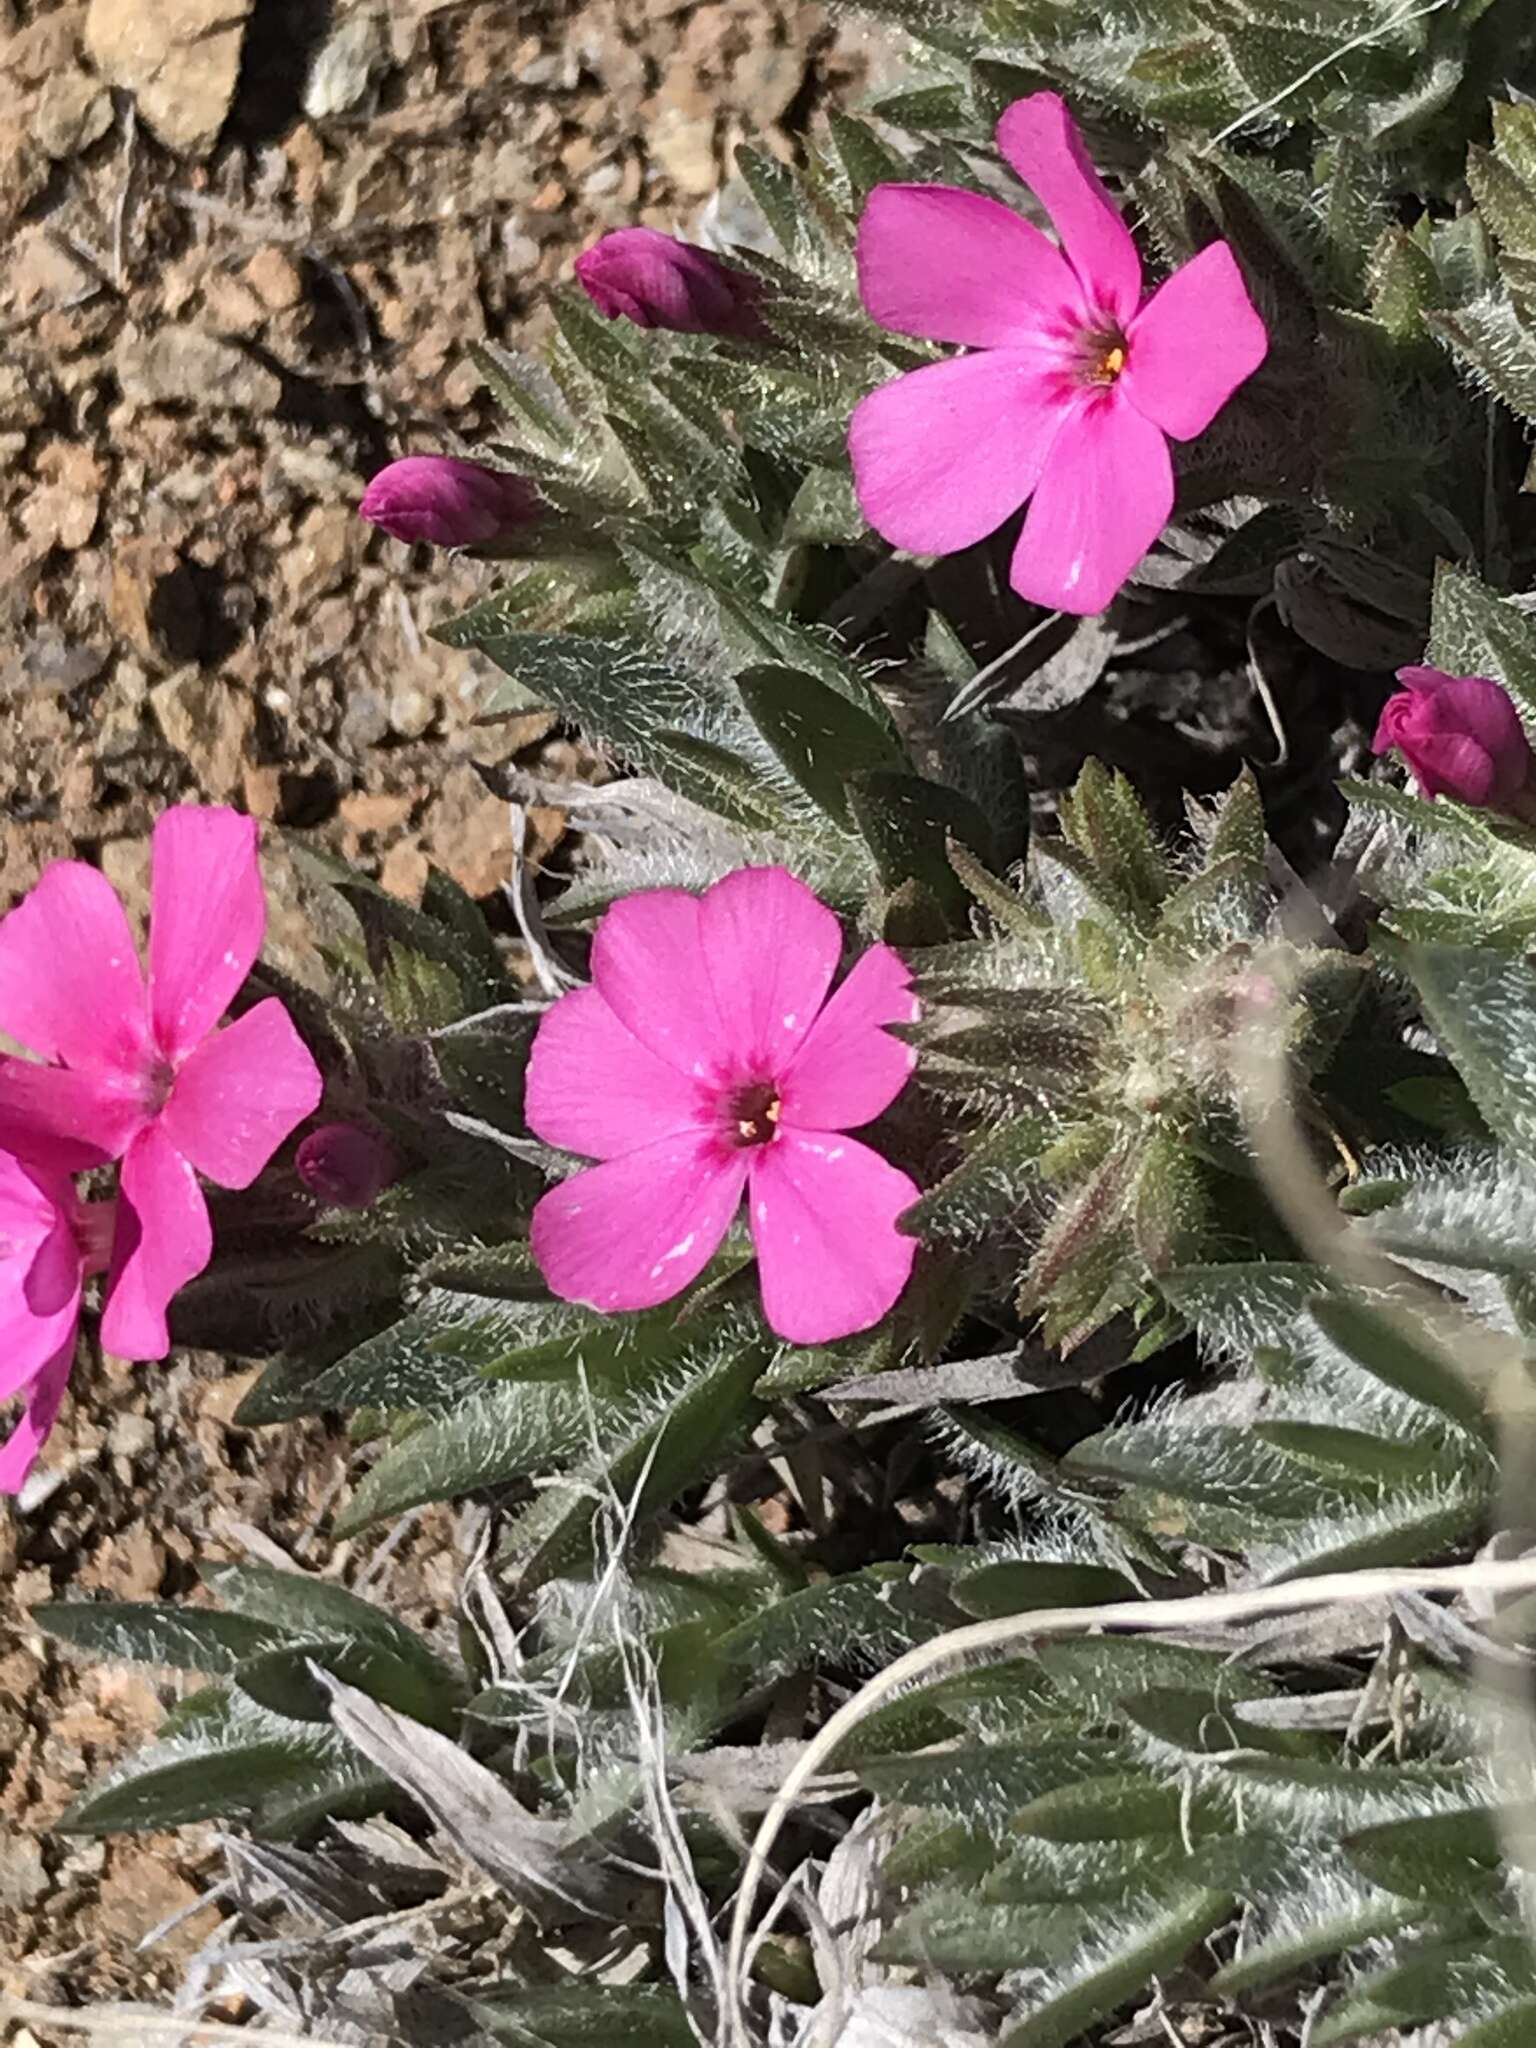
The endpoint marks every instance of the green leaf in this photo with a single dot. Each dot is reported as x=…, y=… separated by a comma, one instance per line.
x=1016, y=1586
x=1116, y=1963
x=821, y=737
x=1482, y=1005
x=155, y=1632
x=1112, y=1809
x=649, y=1450
x=505, y=1433
x=1104, y=819
x=1289, y=1952
x=1453, y=1856
x=218, y=1773
x=1391, y=1352
x=281, y=1680
x=1515, y=2027
x=308, y=1606
x=584, y=2016
x=991, y=1783
x=1351, y=1453
x=853, y=1622
x=1450, y=1979
x=1490, y=338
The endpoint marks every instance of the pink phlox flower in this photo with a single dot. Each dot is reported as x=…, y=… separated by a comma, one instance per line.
x=132, y=1068
x=705, y=1062
x=1461, y=736
x=49, y=1243
x=1075, y=384
x=654, y=280
x=448, y=501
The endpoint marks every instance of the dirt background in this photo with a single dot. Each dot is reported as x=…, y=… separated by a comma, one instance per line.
x=244, y=244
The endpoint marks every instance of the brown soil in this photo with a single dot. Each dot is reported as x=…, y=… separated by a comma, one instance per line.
x=206, y=351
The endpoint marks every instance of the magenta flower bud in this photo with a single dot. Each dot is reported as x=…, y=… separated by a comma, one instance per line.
x=1461, y=736
x=345, y=1166
x=440, y=498
x=655, y=280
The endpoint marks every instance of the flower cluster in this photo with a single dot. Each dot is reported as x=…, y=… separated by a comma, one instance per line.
x=1075, y=383
x=133, y=1068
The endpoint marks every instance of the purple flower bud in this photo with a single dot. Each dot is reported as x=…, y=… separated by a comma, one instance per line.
x=655, y=280
x=345, y=1166
x=441, y=499
x=1461, y=736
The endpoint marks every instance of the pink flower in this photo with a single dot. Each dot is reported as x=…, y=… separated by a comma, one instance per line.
x=706, y=1062
x=653, y=279
x=49, y=1243
x=346, y=1166
x=136, y=1070
x=1461, y=736
x=1075, y=386
x=453, y=503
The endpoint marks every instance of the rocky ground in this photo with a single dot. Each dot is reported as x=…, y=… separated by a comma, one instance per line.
x=245, y=243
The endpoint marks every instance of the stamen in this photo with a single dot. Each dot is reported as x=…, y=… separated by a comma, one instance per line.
x=1113, y=363
x=754, y=1114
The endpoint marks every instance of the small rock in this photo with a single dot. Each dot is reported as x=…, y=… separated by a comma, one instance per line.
x=130, y=1436
x=370, y=811
x=178, y=365
x=468, y=831
x=346, y=65
x=23, y=169
x=262, y=788
x=403, y=870
x=276, y=279
x=231, y=306
x=411, y=710
x=23, y=1875
x=135, y=599
x=21, y=396
x=327, y=544
x=179, y=58
x=684, y=146
x=55, y=516
x=209, y=722
x=73, y=110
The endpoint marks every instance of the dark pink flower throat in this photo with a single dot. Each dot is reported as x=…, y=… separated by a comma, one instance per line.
x=752, y=1114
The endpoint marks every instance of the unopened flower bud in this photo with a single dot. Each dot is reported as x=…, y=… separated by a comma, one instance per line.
x=345, y=1166
x=1461, y=736
x=653, y=279
x=443, y=499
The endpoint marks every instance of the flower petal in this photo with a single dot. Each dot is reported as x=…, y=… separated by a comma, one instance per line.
x=593, y=1087
x=40, y=1273
x=942, y=455
x=1040, y=139
x=1103, y=498
x=70, y=985
x=824, y=1211
x=955, y=266
x=164, y=1239
x=240, y=1093
x=849, y=1069
x=635, y=1231
x=66, y=1118
x=771, y=948
x=1195, y=340
x=45, y=1397
x=208, y=917
x=648, y=965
